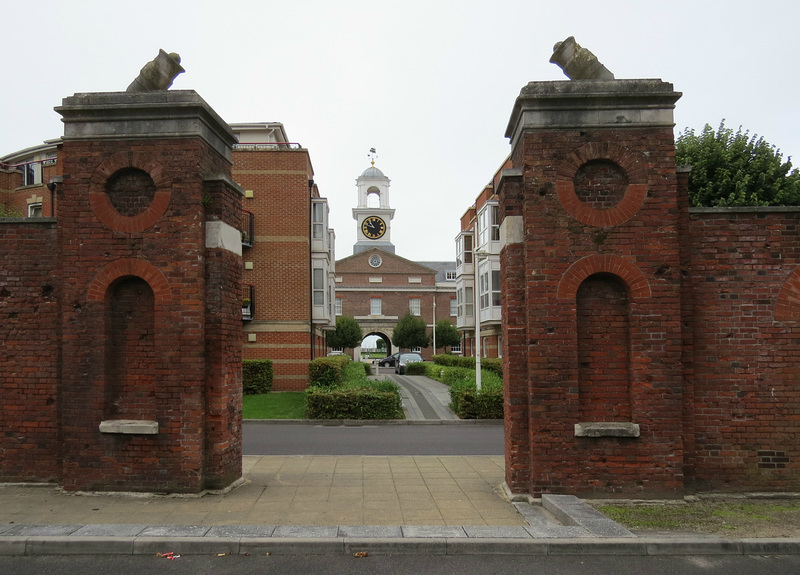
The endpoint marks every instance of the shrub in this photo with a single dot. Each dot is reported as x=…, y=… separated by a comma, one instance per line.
x=353, y=402
x=327, y=371
x=355, y=397
x=256, y=376
x=418, y=368
x=494, y=364
x=468, y=403
x=367, y=368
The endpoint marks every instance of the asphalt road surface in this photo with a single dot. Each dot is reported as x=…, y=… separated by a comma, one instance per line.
x=315, y=439
x=396, y=564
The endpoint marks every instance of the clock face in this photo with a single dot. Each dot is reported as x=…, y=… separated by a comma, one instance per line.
x=375, y=260
x=373, y=227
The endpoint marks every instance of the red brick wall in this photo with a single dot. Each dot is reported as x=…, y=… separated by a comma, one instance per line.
x=743, y=365
x=164, y=246
x=281, y=255
x=30, y=298
x=637, y=241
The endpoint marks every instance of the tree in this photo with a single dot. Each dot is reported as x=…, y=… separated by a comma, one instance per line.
x=381, y=345
x=736, y=169
x=411, y=331
x=446, y=334
x=347, y=334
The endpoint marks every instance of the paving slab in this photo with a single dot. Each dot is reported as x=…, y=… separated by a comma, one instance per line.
x=171, y=531
x=306, y=531
x=371, y=531
x=501, y=532
x=424, y=531
x=241, y=531
x=109, y=530
x=572, y=511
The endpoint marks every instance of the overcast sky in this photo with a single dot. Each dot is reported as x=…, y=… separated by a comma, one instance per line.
x=430, y=84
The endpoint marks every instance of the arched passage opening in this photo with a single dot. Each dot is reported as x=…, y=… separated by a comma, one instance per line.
x=377, y=344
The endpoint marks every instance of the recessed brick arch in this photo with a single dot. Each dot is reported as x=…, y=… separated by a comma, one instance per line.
x=787, y=307
x=101, y=203
x=620, y=267
x=630, y=203
x=125, y=268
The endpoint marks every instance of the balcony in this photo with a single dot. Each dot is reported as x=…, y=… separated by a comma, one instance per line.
x=248, y=302
x=248, y=228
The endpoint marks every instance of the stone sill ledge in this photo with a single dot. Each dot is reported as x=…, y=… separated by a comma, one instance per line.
x=129, y=426
x=607, y=429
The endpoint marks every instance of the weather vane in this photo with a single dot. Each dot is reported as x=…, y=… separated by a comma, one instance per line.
x=373, y=155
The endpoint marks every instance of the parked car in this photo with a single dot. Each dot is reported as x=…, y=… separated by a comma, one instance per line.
x=404, y=359
x=389, y=360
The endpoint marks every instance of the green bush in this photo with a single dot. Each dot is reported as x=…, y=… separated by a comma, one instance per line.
x=327, y=371
x=367, y=368
x=494, y=364
x=417, y=368
x=355, y=397
x=256, y=376
x=353, y=402
x=487, y=403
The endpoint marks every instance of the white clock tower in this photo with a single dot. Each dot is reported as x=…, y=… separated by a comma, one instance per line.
x=373, y=214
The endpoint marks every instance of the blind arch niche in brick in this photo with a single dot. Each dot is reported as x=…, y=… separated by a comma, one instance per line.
x=130, y=354
x=603, y=334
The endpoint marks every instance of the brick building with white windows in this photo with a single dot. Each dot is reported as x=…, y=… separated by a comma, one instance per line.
x=376, y=286
x=478, y=244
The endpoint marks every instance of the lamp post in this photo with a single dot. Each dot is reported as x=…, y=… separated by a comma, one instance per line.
x=479, y=255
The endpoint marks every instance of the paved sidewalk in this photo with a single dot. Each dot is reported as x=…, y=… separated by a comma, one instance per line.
x=336, y=504
x=299, y=490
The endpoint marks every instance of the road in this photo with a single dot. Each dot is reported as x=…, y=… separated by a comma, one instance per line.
x=314, y=439
x=396, y=564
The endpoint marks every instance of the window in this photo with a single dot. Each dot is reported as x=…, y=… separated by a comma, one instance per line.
x=319, y=286
x=375, y=306
x=496, y=288
x=456, y=348
x=450, y=275
x=454, y=305
x=414, y=305
x=464, y=249
x=35, y=210
x=317, y=220
x=338, y=305
x=488, y=228
x=416, y=349
x=484, y=290
x=31, y=174
x=469, y=300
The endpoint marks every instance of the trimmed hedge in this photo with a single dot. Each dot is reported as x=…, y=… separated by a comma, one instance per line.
x=327, y=371
x=465, y=401
x=257, y=376
x=493, y=364
x=353, y=396
x=416, y=368
x=354, y=402
x=487, y=403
